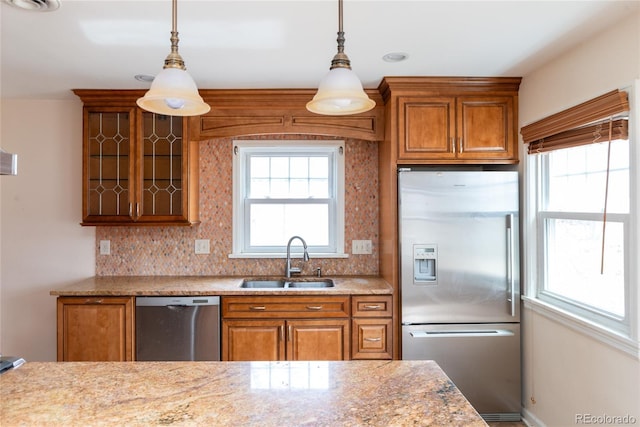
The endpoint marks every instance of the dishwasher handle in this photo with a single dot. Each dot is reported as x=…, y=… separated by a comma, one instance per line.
x=191, y=301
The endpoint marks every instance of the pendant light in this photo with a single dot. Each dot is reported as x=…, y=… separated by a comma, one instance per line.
x=173, y=92
x=340, y=91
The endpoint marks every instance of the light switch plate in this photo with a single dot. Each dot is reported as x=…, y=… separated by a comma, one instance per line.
x=361, y=247
x=202, y=246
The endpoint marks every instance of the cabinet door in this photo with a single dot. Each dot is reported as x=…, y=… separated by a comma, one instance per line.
x=485, y=128
x=95, y=329
x=426, y=128
x=162, y=176
x=108, y=150
x=371, y=338
x=326, y=339
x=244, y=340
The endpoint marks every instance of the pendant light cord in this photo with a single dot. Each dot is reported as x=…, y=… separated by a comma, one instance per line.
x=174, y=60
x=340, y=60
x=606, y=196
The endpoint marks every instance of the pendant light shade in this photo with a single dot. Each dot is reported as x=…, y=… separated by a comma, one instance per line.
x=173, y=92
x=340, y=91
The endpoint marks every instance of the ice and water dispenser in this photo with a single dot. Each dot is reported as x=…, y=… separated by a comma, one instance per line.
x=425, y=264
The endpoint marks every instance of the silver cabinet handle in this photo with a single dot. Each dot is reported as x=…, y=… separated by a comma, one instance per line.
x=290, y=332
x=460, y=144
x=257, y=307
x=281, y=332
x=373, y=339
x=372, y=307
x=314, y=307
x=510, y=263
x=453, y=144
x=138, y=210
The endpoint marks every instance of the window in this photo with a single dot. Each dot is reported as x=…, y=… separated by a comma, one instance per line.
x=581, y=207
x=577, y=271
x=284, y=189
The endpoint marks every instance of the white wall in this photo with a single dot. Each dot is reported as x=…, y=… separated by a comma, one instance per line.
x=42, y=244
x=568, y=372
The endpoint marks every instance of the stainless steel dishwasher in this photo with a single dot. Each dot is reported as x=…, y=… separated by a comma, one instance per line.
x=178, y=328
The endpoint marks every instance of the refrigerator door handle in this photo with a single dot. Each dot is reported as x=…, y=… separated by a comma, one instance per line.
x=461, y=333
x=510, y=263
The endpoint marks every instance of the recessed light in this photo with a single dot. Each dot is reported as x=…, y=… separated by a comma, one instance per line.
x=143, y=78
x=395, y=56
x=36, y=5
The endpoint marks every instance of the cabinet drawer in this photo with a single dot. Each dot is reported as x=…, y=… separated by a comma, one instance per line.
x=371, y=339
x=371, y=306
x=285, y=307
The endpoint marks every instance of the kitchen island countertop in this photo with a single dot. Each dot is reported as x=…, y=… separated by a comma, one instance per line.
x=354, y=393
x=212, y=285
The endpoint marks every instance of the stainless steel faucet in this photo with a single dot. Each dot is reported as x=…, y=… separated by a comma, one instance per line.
x=287, y=268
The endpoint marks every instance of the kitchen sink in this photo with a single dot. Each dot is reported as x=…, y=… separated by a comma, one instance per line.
x=285, y=284
x=262, y=284
x=325, y=283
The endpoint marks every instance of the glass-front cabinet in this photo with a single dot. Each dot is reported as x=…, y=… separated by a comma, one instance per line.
x=139, y=168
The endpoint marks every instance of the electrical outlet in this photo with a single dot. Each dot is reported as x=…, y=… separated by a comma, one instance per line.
x=105, y=247
x=361, y=247
x=202, y=246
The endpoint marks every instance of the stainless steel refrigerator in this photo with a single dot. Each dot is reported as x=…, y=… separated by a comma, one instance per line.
x=460, y=287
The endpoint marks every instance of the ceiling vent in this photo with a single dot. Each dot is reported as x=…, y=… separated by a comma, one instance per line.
x=37, y=5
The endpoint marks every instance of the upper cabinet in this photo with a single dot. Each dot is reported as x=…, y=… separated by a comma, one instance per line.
x=435, y=120
x=139, y=168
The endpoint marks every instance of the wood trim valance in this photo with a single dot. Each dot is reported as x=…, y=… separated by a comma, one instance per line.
x=602, y=107
x=582, y=136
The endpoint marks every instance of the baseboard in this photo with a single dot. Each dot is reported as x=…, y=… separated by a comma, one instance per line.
x=531, y=420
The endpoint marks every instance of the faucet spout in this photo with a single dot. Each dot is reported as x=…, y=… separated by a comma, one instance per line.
x=288, y=270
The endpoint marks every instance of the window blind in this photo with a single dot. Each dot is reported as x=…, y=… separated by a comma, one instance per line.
x=581, y=136
x=578, y=125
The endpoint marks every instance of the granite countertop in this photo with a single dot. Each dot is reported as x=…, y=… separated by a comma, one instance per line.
x=265, y=394
x=213, y=285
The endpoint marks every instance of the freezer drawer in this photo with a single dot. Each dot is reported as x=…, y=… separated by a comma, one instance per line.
x=483, y=361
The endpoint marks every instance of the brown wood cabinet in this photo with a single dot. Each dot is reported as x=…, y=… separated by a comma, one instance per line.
x=449, y=120
x=285, y=328
x=95, y=328
x=244, y=340
x=456, y=128
x=139, y=168
x=372, y=332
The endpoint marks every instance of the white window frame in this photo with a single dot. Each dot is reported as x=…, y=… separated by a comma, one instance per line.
x=241, y=150
x=623, y=334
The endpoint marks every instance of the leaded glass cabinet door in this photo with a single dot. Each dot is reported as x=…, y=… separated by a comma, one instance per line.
x=108, y=148
x=162, y=168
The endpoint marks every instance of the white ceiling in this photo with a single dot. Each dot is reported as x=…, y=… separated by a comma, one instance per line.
x=94, y=44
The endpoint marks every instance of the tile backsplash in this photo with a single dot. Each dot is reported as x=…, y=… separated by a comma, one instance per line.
x=141, y=251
